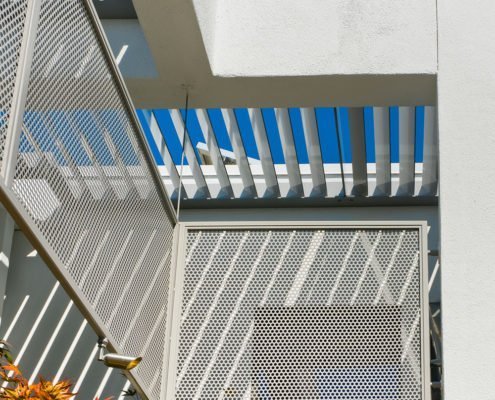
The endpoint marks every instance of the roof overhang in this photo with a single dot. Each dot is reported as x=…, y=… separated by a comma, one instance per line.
x=285, y=53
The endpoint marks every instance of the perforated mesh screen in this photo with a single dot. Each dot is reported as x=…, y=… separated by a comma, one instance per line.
x=84, y=181
x=12, y=15
x=301, y=314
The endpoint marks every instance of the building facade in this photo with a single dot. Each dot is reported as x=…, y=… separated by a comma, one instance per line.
x=261, y=199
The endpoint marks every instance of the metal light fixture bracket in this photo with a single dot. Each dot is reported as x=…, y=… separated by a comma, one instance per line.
x=114, y=360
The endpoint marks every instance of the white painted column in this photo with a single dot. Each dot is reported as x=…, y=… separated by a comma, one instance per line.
x=6, y=237
x=466, y=101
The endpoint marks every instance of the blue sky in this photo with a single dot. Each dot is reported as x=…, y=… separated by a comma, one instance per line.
x=328, y=129
x=92, y=126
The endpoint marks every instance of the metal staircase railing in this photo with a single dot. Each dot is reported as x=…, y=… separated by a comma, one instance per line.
x=78, y=179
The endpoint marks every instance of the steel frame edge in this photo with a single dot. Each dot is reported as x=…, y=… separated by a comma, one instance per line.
x=173, y=340
x=122, y=88
x=425, y=321
x=20, y=91
x=170, y=311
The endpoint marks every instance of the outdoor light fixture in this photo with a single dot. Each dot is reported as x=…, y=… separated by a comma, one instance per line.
x=4, y=346
x=114, y=360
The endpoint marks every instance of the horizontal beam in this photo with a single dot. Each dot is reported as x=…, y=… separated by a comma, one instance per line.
x=310, y=202
x=328, y=91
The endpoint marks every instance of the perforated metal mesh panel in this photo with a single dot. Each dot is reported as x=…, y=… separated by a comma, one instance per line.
x=301, y=314
x=12, y=15
x=84, y=181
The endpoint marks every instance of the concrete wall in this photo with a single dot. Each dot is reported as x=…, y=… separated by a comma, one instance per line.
x=49, y=336
x=207, y=16
x=466, y=106
x=265, y=53
x=318, y=37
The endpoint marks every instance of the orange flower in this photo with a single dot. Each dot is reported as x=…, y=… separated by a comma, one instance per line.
x=18, y=387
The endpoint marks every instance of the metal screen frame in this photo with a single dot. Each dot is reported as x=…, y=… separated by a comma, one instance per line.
x=177, y=282
x=7, y=168
x=142, y=142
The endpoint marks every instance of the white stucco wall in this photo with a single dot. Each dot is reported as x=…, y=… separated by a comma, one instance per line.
x=207, y=12
x=466, y=103
x=285, y=53
x=318, y=37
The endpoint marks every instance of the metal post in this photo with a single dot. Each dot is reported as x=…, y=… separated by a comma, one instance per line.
x=13, y=135
x=14, y=127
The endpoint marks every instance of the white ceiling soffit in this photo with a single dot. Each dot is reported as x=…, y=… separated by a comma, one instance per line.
x=371, y=154
x=285, y=52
